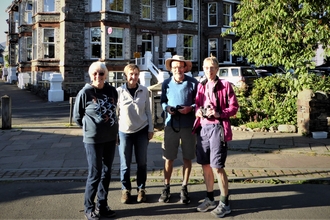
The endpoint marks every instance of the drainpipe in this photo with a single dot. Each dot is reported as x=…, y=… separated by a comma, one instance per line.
x=199, y=35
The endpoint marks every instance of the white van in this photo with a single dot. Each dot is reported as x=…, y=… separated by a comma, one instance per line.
x=238, y=75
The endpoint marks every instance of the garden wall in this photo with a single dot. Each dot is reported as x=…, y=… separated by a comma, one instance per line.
x=313, y=112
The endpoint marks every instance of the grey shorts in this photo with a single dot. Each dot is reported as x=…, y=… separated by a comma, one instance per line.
x=172, y=141
x=210, y=147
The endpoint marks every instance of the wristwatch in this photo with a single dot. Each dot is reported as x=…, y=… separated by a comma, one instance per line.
x=193, y=107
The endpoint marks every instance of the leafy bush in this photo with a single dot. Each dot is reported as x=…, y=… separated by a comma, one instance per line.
x=272, y=100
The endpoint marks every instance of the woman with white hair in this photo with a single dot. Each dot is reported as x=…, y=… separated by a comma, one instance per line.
x=95, y=112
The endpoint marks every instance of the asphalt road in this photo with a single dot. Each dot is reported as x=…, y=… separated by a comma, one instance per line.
x=64, y=200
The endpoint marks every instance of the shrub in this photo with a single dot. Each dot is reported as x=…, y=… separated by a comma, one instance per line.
x=272, y=100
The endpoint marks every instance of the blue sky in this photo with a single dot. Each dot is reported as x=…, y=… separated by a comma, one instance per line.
x=3, y=17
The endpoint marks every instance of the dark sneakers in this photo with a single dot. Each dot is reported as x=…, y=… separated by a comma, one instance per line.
x=105, y=212
x=165, y=196
x=184, y=197
x=92, y=216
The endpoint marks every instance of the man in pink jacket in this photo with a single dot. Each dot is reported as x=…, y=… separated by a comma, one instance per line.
x=215, y=103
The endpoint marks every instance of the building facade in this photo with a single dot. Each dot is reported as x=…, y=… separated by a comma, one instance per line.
x=66, y=36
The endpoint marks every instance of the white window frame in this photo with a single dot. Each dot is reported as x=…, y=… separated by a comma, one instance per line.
x=34, y=44
x=95, y=42
x=146, y=8
x=34, y=8
x=117, y=2
x=116, y=78
x=29, y=48
x=172, y=11
x=16, y=53
x=28, y=11
x=188, y=8
x=147, y=40
x=190, y=48
x=116, y=31
x=47, y=44
x=226, y=14
x=227, y=51
x=49, y=5
x=96, y=5
x=212, y=14
x=213, y=48
x=16, y=21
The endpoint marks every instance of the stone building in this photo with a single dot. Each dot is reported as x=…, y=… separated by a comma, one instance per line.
x=66, y=36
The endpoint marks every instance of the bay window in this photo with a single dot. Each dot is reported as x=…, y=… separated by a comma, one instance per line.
x=227, y=48
x=95, y=36
x=117, y=5
x=48, y=43
x=213, y=47
x=146, y=9
x=212, y=14
x=116, y=44
x=49, y=5
x=227, y=14
x=188, y=47
x=188, y=10
x=28, y=48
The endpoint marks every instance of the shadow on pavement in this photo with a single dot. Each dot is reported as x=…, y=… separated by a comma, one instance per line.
x=64, y=200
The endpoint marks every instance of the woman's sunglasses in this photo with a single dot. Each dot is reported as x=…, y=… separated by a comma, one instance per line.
x=100, y=73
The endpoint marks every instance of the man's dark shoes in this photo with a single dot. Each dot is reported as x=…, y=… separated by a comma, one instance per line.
x=165, y=196
x=105, y=212
x=184, y=197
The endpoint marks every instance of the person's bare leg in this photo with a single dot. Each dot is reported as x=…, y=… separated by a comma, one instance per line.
x=222, y=181
x=168, y=168
x=186, y=170
x=208, y=177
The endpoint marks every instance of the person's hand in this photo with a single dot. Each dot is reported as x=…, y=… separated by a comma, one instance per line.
x=168, y=109
x=199, y=113
x=212, y=112
x=216, y=114
x=150, y=135
x=185, y=109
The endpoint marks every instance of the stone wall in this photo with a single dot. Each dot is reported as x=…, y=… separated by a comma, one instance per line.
x=313, y=112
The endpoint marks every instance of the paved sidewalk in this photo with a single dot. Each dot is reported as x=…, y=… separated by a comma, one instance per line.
x=57, y=153
x=41, y=145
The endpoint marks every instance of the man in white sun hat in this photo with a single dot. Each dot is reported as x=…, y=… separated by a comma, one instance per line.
x=178, y=102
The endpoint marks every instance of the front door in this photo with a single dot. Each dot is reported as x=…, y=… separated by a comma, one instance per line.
x=147, y=43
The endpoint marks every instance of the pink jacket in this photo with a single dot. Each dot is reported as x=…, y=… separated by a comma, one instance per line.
x=228, y=103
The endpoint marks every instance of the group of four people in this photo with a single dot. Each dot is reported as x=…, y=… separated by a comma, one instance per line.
x=123, y=116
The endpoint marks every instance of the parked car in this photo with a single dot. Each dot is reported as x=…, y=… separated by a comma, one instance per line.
x=323, y=68
x=271, y=69
x=318, y=72
x=238, y=76
x=263, y=73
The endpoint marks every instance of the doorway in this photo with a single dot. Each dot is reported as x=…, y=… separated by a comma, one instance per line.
x=147, y=43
